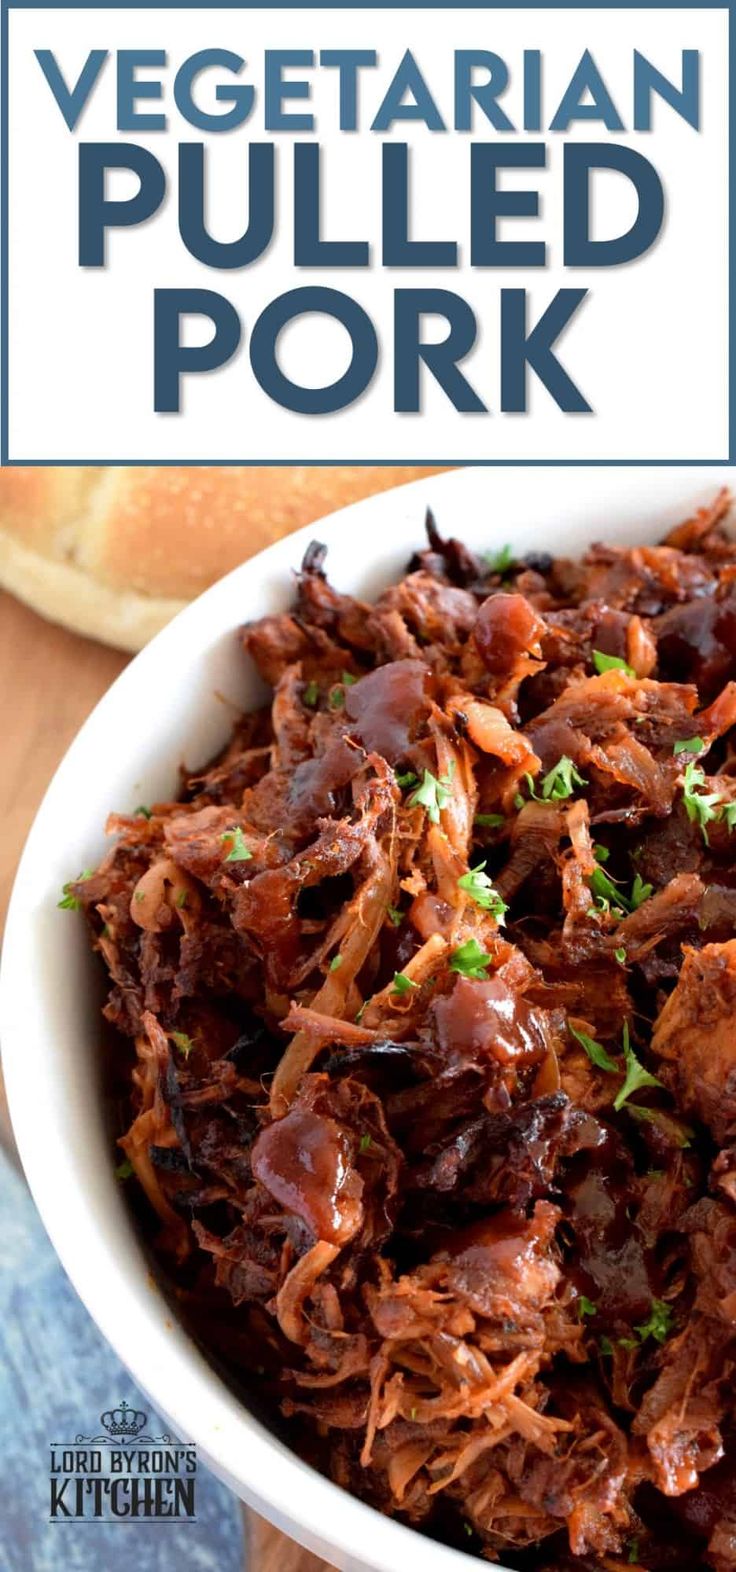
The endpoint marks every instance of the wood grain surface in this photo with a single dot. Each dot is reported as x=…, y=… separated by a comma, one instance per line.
x=49, y=682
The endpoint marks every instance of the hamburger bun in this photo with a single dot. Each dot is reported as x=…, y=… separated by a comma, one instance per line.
x=114, y=553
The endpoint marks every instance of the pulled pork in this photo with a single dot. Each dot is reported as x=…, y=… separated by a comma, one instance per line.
x=428, y=985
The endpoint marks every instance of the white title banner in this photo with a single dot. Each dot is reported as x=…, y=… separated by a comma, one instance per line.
x=342, y=235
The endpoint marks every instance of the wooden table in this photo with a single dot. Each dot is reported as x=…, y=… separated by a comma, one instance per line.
x=49, y=681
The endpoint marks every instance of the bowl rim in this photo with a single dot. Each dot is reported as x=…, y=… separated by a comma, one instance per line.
x=162, y=1357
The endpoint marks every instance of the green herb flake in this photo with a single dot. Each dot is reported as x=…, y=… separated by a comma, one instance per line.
x=636, y=1076
x=479, y=887
x=728, y=814
x=606, y=1347
x=337, y=698
x=310, y=696
x=700, y=806
x=500, y=561
x=519, y=800
x=586, y=1306
x=640, y=892
x=607, y=892
x=69, y=901
x=629, y=1343
x=395, y=916
x=335, y=963
x=601, y=853
x=408, y=779
x=141, y=812
x=433, y=794
x=561, y=780
x=493, y=821
x=468, y=1530
x=238, y=852
x=689, y=745
x=469, y=960
x=348, y=680
x=402, y=984
x=620, y=956
x=659, y=1324
x=181, y=899
x=182, y=1042
x=605, y=663
x=366, y=1142
x=124, y=1170
x=633, y=1551
x=595, y=1051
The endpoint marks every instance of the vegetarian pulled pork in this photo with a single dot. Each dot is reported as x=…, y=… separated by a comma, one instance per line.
x=431, y=981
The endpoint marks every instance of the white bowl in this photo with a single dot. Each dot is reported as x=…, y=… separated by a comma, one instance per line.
x=173, y=704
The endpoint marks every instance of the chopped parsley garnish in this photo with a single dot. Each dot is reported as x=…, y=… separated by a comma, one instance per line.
x=601, y=853
x=659, y=1324
x=700, y=806
x=336, y=962
x=640, y=892
x=689, y=745
x=611, y=663
x=124, y=1169
x=586, y=1306
x=607, y=893
x=238, y=852
x=636, y=1075
x=337, y=694
x=561, y=780
x=182, y=1042
x=489, y=821
x=141, y=812
x=181, y=899
x=310, y=695
x=433, y=794
x=500, y=561
x=469, y=960
x=69, y=901
x=366, y=1142
x=408, y=779
x=402, y=983
x=728, y=813
x=595, y=1051
x=395, y=916
x=606, y=1347
x=558, y=783
x=479, y=887
x=610, y=897
x=633, y=1551
x=620, y=956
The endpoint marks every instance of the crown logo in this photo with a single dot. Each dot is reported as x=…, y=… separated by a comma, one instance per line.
x=123, y=1421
